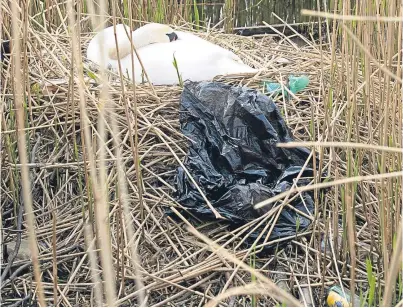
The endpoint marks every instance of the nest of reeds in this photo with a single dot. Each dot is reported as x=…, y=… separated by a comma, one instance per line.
x=177, y=267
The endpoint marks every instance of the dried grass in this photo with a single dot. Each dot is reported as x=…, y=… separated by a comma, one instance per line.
x=176, y=266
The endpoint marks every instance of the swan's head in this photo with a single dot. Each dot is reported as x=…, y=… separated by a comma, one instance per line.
x=148, y=34
x=156, y=33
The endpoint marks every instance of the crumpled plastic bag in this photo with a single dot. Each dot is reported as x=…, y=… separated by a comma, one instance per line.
x=234, y=159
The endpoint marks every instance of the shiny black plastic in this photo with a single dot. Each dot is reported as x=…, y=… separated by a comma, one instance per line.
x=234, y=158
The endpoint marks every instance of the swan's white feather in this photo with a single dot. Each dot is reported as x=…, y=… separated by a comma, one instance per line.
x=94, y=47
x=197, y=59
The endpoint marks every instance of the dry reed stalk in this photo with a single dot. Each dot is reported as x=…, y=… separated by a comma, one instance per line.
x=170, y=259
x=98, y=191
x=54, y=255
x=340, y=144
x=134, y=144
x=1, y=143
x=249, y=289
x=22, y=150
x=348, y=180
x=395, y=267
x=121, y=174
x=351, y=17
x=89, y=241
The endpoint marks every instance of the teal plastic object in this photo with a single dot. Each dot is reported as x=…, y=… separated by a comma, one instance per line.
x=295, y=84
x=273, y=87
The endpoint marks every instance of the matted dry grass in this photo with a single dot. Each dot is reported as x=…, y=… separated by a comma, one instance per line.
x=177, y=267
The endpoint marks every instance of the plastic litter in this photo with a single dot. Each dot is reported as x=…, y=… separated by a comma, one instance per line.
x=336, y=298
x=295, y=84
x=234, y=159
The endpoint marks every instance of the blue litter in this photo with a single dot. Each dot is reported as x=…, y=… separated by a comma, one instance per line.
x=295, y=84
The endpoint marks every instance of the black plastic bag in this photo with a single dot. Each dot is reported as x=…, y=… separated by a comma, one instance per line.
x=234, y=159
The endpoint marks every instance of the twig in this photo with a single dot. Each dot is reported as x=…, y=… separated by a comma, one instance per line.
x=19, y=218
x=21, y=301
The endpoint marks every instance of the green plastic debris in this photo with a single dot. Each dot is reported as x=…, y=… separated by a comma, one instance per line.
x=273, y=87
x=295, y=84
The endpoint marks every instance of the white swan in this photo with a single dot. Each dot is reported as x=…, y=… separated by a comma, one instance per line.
x=103, y=43
x=197, y=59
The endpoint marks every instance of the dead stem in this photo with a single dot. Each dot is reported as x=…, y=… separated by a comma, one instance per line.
x=350, y=112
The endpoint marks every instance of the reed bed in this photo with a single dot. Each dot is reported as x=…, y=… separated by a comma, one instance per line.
x=83, y=163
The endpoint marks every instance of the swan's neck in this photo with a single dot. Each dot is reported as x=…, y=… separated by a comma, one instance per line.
x=139, y=39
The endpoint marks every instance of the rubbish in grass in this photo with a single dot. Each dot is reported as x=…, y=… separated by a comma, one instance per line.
x=235, y=161
x=336, y=298
x=295, y=85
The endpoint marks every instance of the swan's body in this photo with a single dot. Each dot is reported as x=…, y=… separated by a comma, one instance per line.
x=197, y=59
x=104, y=44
